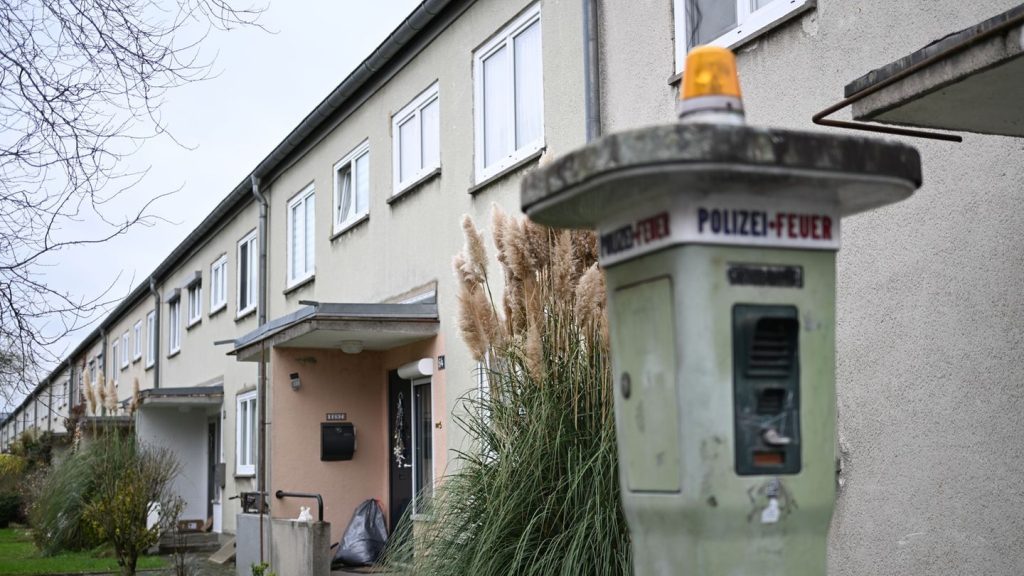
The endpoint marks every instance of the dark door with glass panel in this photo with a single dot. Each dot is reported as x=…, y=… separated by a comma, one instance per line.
x=399, y=446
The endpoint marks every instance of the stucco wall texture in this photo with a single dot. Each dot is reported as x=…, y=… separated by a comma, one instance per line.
x=930, y=335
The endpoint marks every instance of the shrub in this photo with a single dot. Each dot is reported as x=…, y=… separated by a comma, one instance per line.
x=131, y=480
x=58, y=501
x=10, y=508
x=537, y=493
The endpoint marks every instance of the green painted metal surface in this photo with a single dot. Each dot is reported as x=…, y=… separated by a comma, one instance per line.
x=720, y=523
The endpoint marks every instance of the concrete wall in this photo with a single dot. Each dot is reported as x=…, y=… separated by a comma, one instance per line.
x=183, y=431
x=301, y=548
x=930, y=311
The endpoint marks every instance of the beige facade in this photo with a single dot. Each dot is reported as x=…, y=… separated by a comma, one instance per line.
x=928, y=336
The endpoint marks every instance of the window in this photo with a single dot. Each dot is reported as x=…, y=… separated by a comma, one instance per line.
x=245, y=438
x=151, y=338
x=301, y=236
x=352, y=187
x=113, y=360
x=92, y=372
x=125, y=346
x=174, y=327
x=728, y=23
x=195, y=304
x=219, y=284
x=248, y=274
x=416, y=139
x=137, y=343
x=423, y=445
x=509, y=96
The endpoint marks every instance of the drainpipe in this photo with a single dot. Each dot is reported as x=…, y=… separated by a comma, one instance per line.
x=261, y=378
x=157, y=300
x=591, y=70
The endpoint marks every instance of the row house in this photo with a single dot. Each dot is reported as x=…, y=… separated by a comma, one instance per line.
x=317, y=298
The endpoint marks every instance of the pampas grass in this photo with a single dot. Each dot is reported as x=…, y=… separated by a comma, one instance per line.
x=537, y=491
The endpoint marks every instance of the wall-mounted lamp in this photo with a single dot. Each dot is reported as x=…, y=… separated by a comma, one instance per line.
x=351, y=346
x=296, y=383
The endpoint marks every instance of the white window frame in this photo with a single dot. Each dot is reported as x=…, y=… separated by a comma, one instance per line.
x=114, y=370
x=504, y=39
x=424, y=381
x=251, y=238
x=247, y=466
x=151, y=342
x=137, y=342
x=349, y=161
x=308, y=194
x=412, y=112
x=174, y=326
x=750, y=24
x=195, y=304
x=125, y=345
x=219, y=284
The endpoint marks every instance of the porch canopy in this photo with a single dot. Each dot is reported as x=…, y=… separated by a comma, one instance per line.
x=348, y=327
x=971, y=81
x=184, y=396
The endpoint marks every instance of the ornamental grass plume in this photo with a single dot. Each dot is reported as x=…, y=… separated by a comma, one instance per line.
x=89, y=393
x=536, y=492
x=134, y=405
x=101, y=392
x=110, y=402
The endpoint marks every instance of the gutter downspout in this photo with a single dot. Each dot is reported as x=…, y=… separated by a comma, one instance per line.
x=157, y=300
x=261, y=378
x=591, y=70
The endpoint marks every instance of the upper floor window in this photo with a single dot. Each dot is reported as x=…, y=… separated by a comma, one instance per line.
x=137, y=341
x=416, y=139
x=301, y=236
x=352, y=187
x=125, y=343
x=174, y=326
x=248, y=274
x=219, y=284
x=151, y=338
x=195, y=303
x=509, y=96
x=728, y=23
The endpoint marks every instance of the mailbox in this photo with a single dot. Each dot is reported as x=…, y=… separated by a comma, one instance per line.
x=718, y=242
x=337, y=441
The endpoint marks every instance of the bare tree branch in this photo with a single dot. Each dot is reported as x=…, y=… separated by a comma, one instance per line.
x=81, y=86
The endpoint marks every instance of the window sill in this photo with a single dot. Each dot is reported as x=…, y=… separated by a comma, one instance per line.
x=134, y=360
x=174, y=353
x=349, y=226
x=150, y=366
x=193, y=323
x=490, y=180
x=245, y=314
x=415, y=185
x=218, y=310
x=245, y=474
x=300, y=284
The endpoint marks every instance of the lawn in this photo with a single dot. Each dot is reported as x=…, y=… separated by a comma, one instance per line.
x=18, y=555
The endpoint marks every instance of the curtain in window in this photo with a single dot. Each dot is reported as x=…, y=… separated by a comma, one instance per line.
x=496, y=106
x=430, y=134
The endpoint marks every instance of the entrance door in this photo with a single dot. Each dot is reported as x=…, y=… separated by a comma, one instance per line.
x=399, y=445
x=212, y=456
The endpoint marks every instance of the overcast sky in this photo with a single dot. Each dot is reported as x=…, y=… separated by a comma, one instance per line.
x=265, y=84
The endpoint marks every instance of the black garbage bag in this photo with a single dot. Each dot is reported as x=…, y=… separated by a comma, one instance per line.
x=364, y=538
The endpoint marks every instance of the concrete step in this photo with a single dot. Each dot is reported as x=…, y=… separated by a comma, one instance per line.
x=190, y=541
